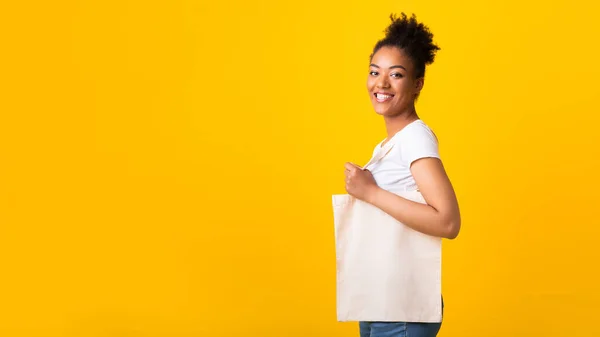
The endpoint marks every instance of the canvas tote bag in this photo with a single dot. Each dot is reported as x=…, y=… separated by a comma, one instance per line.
x=386, y=271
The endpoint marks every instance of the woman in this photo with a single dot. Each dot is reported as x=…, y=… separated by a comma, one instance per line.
x=396, y=77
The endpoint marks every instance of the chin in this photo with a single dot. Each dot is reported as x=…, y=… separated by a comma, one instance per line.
x=383, y=112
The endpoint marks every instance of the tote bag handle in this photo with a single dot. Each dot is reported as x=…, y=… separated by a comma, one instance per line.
x=379, y=156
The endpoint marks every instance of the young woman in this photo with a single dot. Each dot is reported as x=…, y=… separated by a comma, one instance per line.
x=396, y=77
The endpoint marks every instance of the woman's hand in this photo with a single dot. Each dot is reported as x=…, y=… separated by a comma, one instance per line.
x=359, y=183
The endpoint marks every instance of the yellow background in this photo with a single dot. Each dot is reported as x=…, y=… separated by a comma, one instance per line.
x=167, y=167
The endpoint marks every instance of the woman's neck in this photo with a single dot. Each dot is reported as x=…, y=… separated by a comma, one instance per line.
x=394, y=124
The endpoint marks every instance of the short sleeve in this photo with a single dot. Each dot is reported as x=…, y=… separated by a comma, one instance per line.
x=418, y=142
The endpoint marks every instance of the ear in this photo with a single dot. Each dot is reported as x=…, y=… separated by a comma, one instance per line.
x=419, y=84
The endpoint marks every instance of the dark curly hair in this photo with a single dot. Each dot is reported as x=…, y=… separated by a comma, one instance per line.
x=413, y=38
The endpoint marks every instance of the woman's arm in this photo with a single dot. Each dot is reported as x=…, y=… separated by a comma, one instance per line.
x=439, y=217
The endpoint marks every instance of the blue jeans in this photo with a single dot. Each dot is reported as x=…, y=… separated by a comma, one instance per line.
x=399, y=329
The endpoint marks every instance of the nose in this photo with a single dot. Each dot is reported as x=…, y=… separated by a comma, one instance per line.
x=382, y=82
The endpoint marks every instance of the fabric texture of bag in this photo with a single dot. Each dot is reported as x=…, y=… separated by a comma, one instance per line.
x=385, y=271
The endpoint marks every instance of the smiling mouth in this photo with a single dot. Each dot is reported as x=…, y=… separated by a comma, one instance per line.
x=383, y=97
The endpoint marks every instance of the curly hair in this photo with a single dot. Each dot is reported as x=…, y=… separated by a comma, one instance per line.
x=413, y=38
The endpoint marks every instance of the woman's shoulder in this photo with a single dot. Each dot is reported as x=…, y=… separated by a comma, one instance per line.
x=417, y=130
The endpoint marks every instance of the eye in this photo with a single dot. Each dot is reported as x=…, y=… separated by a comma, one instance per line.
x=373, y=73
x=397, y=75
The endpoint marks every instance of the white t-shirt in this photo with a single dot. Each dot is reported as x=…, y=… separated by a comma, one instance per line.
x=414, y=141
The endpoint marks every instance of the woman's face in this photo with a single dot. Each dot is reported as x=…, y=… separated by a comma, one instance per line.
x=391, y=83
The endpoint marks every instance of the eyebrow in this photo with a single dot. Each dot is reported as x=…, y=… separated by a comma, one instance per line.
x=392, y=67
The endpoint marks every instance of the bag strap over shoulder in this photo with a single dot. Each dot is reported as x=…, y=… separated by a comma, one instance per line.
x=383, y=151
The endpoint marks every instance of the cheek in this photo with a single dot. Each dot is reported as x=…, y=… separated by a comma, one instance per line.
x=369, y=84
x=404, y=89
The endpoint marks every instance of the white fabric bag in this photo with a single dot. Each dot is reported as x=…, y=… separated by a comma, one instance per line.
x=386, y=271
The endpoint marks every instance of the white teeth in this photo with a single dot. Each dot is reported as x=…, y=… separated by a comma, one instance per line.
x=381, y=97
